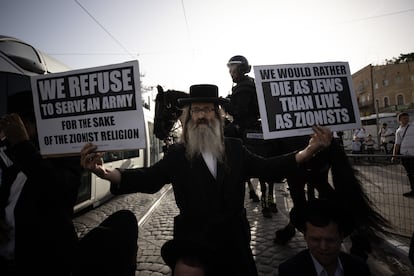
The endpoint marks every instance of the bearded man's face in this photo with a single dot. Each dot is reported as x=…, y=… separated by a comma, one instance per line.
x=204, y=131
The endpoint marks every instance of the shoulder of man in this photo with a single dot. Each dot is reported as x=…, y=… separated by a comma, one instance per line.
x=174, y=149
x=229, y=141
x=301, y=262
x=246, y=83
x=353, y=263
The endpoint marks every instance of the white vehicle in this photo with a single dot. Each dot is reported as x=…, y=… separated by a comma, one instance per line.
x=18, y=62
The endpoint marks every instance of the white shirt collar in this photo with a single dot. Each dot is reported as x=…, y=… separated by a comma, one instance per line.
x=320, y=271
x=211, y=162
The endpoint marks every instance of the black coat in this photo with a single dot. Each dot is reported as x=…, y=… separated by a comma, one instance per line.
x=302, y=264
x=212, y=212
x=45, y=236
x=243, y=105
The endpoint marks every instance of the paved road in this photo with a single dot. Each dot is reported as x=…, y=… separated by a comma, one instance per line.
x=155, y=214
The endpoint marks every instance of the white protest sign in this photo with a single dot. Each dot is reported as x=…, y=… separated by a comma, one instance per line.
x=294, y=97
x=101, y=105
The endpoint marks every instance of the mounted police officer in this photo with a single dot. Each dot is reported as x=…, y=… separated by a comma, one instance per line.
x=243, y=105
x=244, y=109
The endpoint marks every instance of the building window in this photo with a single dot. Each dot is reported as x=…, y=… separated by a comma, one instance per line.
x=385, y=82
x=400, y=100
x=376, y=86
x=398, y=79
x=361, y=87
x=386, y=102
x=412, y=77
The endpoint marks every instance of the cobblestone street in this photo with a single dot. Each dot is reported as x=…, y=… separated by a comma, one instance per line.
x=155, y=214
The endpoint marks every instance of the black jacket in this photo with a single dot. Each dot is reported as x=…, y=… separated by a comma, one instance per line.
x=212, y=210
x=302, y=264
x=243, y=104
x=45, y=236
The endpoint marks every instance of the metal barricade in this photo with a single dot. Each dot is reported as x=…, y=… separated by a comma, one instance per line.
x=385, y=182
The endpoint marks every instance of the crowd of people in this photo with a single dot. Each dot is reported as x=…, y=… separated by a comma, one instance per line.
x=208, y=170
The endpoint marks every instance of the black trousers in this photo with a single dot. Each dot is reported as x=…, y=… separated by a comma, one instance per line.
x=107, y=250
x=111, y=248
x=411, y=250
x=408, y=164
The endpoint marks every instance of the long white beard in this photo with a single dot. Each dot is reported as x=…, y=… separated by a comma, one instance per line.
x=205, y=139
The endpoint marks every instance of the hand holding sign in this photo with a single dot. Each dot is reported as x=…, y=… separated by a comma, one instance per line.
x=294, y=97
x=320, y=140
x=101, y=105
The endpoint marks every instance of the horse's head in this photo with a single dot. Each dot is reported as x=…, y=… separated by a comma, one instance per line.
x=167, y=111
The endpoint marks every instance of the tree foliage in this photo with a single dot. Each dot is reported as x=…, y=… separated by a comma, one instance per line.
x=403, y=58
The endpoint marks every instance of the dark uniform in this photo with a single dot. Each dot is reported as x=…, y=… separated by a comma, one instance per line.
x=244, y=109
x=243, y=106
x=243, y=100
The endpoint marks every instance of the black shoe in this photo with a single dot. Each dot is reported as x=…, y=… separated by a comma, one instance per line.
x=409, y=194
x=273, y=208
x=266, y=212
x=254, y=197
x=284, y=235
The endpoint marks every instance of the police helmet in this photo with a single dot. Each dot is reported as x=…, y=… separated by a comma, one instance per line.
x=242, y=62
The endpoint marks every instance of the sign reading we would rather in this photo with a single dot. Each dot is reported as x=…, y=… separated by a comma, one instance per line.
x=294, y=97
x=101, y=105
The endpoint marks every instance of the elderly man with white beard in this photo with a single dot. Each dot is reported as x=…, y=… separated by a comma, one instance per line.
x=207, y=171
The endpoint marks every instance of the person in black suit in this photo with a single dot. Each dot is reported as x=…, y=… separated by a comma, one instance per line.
x=207, y=171
x=37, y=196
x=324, y=225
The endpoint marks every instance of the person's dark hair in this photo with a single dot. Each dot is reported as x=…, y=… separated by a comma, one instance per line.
x=22, y=104
x=401, y=114
x=321, y=213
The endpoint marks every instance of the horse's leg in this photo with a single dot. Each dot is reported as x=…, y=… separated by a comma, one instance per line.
x=252, y=191
x=263, y=199
x=271, y=198
x=310, y=191
x=296, y=183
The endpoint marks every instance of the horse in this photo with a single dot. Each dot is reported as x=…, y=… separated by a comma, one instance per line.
x=167, y=113
x=346, y=188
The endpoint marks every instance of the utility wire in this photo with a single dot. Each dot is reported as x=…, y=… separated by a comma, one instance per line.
x=377, y=16
x=186, y=21
x=103, y=28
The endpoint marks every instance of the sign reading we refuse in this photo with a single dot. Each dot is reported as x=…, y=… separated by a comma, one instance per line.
x=101, y=105
x=294, y=97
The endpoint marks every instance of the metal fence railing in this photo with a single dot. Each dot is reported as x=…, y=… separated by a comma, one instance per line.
x=385, y=182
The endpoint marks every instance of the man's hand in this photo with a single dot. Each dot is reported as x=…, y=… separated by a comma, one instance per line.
x=93, y=162
x=13, y=128
x=320, y=140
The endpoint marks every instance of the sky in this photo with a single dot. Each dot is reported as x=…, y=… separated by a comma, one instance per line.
x=179, y=43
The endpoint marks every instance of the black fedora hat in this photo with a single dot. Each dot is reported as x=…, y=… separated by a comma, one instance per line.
x=203, y=93
x=174, y=249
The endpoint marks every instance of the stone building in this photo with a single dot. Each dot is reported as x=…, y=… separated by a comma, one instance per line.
x=387, y=87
